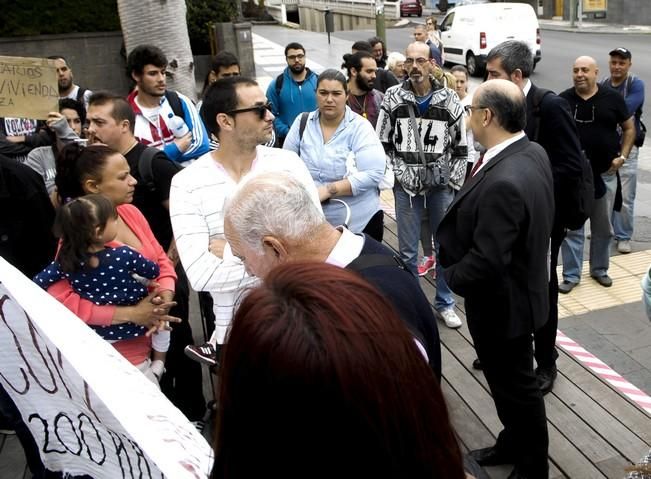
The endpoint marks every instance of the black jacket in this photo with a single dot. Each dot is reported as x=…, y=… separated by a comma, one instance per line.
x=557, y=134
x=494, y=242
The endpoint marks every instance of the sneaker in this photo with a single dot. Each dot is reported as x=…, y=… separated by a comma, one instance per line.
x=624, y=246
x=204, y=354
x=566, y=286
x=427, y=264
x=451, y=319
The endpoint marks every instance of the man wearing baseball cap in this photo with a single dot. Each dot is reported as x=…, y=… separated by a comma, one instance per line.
x=632, y=89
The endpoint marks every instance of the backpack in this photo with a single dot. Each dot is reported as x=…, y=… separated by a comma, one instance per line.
x=146, y=170
x=640, y=135
x=301, y=129
x=280, y=79
x=577, y=206
x=175, y=104
x=80, y=95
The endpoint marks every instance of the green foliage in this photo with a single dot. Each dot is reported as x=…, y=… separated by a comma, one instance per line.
x=202, y=14
x=40, y=17
x=37, y=17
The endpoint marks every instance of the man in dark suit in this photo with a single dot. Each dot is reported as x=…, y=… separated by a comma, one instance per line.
x=494, y=244
x=550, y=124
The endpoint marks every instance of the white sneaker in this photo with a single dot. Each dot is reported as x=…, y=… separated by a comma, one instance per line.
x=624, y=246
x=451, y=319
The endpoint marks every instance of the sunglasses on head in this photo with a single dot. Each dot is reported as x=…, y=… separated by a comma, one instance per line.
x=261, y=110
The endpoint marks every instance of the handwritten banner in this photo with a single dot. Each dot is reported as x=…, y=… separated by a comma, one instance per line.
x=28, y=87
x=89, y=410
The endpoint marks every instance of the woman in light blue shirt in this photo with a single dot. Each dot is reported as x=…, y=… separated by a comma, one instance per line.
x=344, y=157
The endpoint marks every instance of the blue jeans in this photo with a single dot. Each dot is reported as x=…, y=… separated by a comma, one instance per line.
x=601, y=236
x=408, y=218
x=623, y=220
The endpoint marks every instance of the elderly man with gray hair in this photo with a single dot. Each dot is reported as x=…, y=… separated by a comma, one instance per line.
x=270, y=220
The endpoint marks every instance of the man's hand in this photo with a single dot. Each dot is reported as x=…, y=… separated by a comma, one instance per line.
x=216, y=247
x=184, y=142
x=616, y=164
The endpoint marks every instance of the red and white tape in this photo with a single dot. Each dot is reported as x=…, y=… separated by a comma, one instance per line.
x=604, y=371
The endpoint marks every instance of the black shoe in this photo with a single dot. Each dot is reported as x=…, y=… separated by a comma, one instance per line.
x=490, y=456
x=476, y=364
x=566, y=286
x=546, y=378
x=604, y=280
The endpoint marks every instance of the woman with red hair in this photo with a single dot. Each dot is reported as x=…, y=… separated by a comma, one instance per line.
x=321, y=379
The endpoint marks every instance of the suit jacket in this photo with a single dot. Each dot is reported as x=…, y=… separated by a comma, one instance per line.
x=494, y=242
x=558, y=135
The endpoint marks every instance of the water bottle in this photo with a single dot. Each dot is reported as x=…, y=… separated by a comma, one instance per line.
x=177, y=125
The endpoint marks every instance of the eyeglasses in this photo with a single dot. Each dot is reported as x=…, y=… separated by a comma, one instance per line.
x=576, y=109
x=231, y=74
x=420, y=60
x=429, y=24
x=261, y=110
x=291, y=58
x=469, y=108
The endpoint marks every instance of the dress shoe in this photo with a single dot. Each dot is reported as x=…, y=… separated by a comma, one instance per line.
x=476, y=364
x=546, y=378
x=604, y=280
x=566, y=286
x=490, y=456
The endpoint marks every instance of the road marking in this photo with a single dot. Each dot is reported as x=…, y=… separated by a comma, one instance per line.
x=603, y=371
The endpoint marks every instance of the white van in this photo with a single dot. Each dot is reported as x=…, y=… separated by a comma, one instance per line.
x=469, y=32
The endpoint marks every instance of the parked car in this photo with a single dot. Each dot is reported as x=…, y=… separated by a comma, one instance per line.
x=469, y=32
x=410, y=7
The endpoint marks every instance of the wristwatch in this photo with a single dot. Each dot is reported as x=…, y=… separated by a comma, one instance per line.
x=332, y=188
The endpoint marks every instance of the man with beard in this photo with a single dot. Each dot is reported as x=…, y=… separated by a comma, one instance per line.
x=422, y=127
x=363, y=99
x=384, y=79
x=67, y=89
x=599, y=112
x=155, y=108
x=237, y=113
x=293, y=91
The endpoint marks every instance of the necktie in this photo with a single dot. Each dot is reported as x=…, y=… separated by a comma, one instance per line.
x=477, y=165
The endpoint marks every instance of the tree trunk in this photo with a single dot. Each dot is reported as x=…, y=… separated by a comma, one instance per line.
x=161, y=23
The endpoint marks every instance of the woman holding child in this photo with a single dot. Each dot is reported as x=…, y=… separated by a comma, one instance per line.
x=99, y=170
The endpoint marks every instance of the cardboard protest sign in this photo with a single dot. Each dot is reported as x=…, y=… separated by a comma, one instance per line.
x=89, y=410
x=28, y=87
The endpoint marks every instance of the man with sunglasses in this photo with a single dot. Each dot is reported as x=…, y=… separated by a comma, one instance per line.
x=421, y=125
x=236, y=112
x=293, y=91
x=599, y=112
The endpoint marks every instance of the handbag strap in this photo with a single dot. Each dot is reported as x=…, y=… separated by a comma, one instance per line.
x=419, y=143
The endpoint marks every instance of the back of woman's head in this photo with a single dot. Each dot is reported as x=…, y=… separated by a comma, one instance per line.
x=76, y=226
x=75, y=164
x=319, y=378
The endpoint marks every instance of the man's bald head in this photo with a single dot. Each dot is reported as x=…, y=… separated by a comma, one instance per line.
x=584, y=74
x=506, y=102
